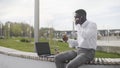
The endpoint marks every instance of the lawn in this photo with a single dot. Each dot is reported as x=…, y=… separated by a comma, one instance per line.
x=15, y=43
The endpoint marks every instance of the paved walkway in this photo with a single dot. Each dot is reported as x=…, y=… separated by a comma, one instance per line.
x=9, y=51
x=104, y=42
x=16, y=62
x=108, y=43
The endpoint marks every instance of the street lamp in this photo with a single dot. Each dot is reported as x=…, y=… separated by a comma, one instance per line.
x=8, y=30
x=36, y=23
x=1, y=29
x=21, y=33
x=108, y=33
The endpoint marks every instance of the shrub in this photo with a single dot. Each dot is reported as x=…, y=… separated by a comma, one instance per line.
x=60, y=40
x=25, y=40
x=1, y=37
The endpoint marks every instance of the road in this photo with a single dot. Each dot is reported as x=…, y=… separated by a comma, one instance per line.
x=15, y=62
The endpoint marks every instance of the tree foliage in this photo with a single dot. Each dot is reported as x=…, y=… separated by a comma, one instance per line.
x=17, y=29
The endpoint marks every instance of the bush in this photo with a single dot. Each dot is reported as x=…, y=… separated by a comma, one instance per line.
x=60, y=40
x=25, y=40
x=1, y=37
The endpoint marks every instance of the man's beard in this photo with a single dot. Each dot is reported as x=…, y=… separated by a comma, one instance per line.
x=77, y=22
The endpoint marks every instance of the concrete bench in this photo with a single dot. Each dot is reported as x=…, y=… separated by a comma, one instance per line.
x=96, y=61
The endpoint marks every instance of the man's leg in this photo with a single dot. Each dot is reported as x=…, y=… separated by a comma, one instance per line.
x=80, y=59
x=66, y=56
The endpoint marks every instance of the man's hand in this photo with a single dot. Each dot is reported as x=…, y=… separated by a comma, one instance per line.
x=65, y=38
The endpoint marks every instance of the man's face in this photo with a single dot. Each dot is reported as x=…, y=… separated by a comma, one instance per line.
x=77, y=19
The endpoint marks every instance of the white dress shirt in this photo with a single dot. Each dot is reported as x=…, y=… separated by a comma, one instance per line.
x=86, y=36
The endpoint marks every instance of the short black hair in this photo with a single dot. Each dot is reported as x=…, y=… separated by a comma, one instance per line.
x=81, y=12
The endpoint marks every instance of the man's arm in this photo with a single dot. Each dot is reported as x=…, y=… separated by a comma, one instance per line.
x=72, y=43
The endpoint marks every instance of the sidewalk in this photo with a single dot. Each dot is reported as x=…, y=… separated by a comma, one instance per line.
x=17, y=53
x=13, y=51
x=108, y=43
x=104, y=42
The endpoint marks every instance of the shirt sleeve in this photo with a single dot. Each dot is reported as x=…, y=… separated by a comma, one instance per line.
x=72, y=43
x=88, y=32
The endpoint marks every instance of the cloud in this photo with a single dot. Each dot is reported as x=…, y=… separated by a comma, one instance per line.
x=60, y=13
x=99, y=11
x=16, y=10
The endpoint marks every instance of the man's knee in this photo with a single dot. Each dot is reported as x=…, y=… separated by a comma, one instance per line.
x=70, y=65
x=58, y=58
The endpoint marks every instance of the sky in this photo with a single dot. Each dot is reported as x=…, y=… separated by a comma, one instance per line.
x=59, y=14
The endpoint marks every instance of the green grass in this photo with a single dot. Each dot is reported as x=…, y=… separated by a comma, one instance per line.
x=102, y=54
x=16, y=44
x=61, y=46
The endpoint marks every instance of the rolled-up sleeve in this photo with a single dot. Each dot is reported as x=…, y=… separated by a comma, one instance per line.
x=72, y=43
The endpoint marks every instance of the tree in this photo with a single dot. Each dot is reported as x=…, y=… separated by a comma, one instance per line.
x=46, y=32
x=18, y=29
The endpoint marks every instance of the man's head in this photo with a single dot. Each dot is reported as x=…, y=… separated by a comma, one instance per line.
x=80, y=16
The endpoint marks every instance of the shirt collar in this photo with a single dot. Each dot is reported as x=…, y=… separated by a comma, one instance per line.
x=85, y=24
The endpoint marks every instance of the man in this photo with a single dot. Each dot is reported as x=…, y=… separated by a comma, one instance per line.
x=85, y=44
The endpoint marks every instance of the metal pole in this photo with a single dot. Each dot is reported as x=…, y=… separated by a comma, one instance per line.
x=73, y=31
x=108, y=35
x=1, y=29
x=108, y=32
x=36, y=22
x=9, y=30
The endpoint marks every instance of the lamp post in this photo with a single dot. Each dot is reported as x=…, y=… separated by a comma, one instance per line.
x=73, y=32
x=108, y=33
x=8, y=30
x=1, y=29
x=21, y=33
x=36, y=22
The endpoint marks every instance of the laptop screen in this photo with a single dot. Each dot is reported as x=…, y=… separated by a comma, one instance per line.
x=42, y=48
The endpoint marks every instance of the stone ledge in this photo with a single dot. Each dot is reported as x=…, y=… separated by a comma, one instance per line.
x=34, y=56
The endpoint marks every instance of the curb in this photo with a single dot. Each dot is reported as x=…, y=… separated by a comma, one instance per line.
x=26, y=55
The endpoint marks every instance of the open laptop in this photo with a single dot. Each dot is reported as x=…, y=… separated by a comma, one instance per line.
x=43, y=49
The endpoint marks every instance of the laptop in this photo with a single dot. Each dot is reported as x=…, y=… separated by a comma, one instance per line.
x=43, y=49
